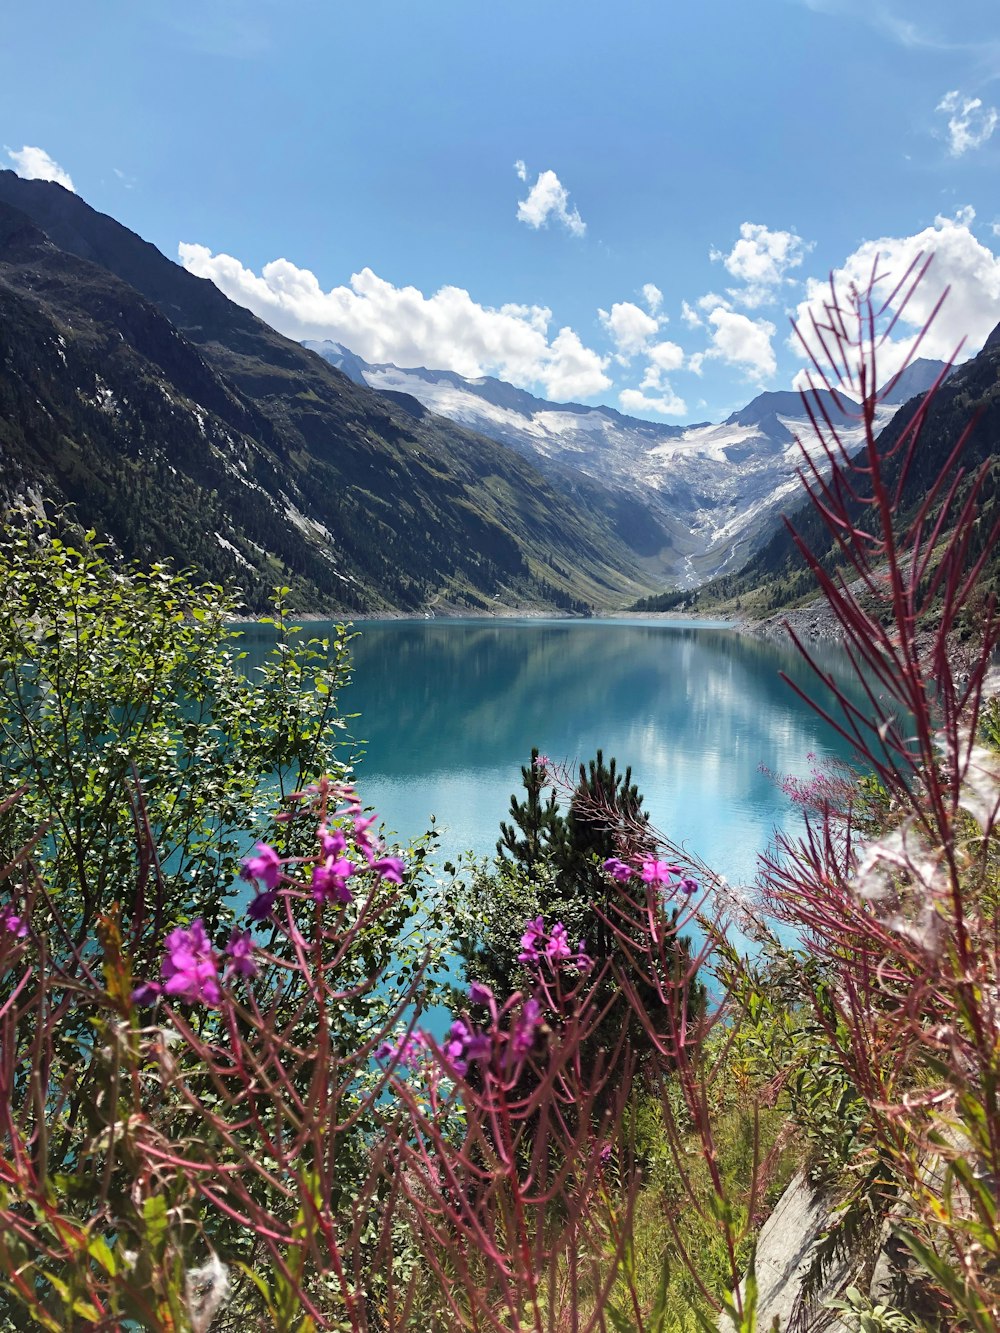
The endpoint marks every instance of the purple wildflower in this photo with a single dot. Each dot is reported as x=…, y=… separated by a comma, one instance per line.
x=12, y=923
x=480, y=994
x=454, y=1046
x=657, y=872
x=618, y=870
x=533, y=932
x=264, y=867
x=583, y=961
x=407, y=1053
x=558, y=945
x=367, y=844
x=262, y=906
x=463, y=1045
x=146, y=992
x=190, y=971
x=390, y=868
x=329, y=881
x=688, y=886
x=240, y=951
x=527, y=1025
x=332, y=843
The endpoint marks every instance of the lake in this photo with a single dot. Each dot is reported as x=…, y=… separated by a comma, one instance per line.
x=449, y=711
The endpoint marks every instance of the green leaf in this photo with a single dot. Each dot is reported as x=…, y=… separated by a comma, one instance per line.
x=98, y=1249
x=154, y=1214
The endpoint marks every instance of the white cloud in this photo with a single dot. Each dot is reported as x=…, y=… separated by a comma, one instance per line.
x=712, y=301
x=666, y=356
x=970, y=123
x=761, y=259
x=690, y=316
x=381, y=322
x=547, y=198
x=666, y=405
x=653, y=297
x=960, y=262
x=572, y=370
x=740, y=341
x=995, y=228
x=630, y=328
x=34, y=164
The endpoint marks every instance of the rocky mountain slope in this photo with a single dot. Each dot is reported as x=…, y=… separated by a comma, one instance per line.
x=182, y=426
x=775, y=577
x=715, y=489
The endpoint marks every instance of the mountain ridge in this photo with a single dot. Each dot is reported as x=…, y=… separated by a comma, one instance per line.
x=377, y=508
x=716, y=489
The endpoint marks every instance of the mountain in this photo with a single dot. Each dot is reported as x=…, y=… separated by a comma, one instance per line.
x=184, y=427
x=714, y=490
x=969, y=396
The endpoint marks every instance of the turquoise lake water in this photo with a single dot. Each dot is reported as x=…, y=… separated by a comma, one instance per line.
x=449, y=711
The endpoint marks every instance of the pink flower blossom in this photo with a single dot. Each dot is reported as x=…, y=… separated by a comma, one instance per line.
x=526, y=1028
x=557, y=947
x=657, y=872
x=618, y=870
x=367, y=844
x=12, y=923
x=533, y=932
x=146, y=992
x=407, y=1053
x=264, y=867
x=464, y=1045
x=240, y=951
x=390, y=868
x=190, y=971
x=333, y=844
x=262, y=906
x=329, y=881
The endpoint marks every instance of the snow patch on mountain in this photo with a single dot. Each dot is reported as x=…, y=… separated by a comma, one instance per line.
x=719, y=488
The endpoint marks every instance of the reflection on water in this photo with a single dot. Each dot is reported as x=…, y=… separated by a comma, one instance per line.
x=449, y=711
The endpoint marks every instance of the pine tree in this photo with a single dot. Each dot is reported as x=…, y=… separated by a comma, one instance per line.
x=564, y=855
x=543, y=838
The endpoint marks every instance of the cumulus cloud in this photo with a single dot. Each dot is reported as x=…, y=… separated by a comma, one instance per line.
x=548, y=198
x=666, y=356
x=381, y=322
x=970, y=123
x=630, y=328
x=655, y=393
x=760, y=260
x=34, y=164
x=652, y=296
x=959, y=262
x=666, y=404
x=690, y=316
x=740, y=341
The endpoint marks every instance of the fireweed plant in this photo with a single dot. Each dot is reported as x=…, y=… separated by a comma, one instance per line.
x=250, y=1124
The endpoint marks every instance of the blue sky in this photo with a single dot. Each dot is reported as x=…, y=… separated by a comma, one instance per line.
x=615, y=203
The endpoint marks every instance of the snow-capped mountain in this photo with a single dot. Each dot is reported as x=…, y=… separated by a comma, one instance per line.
x=716, y=489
